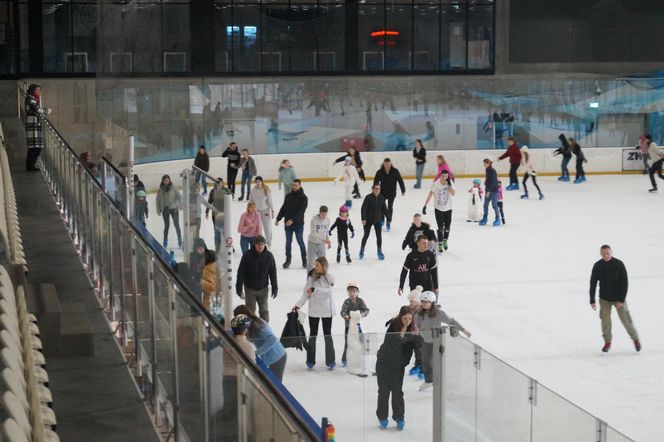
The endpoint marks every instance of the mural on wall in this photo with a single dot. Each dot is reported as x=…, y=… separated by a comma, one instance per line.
x=170, y=118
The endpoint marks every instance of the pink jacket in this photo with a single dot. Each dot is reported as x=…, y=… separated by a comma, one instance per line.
x=247, y=218
x=442, y=167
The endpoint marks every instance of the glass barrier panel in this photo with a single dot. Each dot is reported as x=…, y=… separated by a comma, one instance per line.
x=190, y=338
x=96, y=196
x=460, y=389
x=557, y=420
x=503, y=408
x=259, y=422
x=143, y=323
x=226, y=402
x=128, y=300
x=117, y=289
x=106, y=263
x=614, y=436
x=164, y=364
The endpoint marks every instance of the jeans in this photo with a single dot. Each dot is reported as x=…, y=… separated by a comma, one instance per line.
x=246, y=179
x=329, y=342
x=298, y=229
x=563, y=166
x=200, y=177
x=419, y=172
x=656, y=168
x=580, y=173
x=218, y=235
x=167, y=214
x=493, y=198
x=246, y=242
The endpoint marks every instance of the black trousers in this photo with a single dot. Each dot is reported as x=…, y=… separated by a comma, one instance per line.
x=390, y=383
x=167, y=214
x=525, y=178
x=579, y=169
x=513, y=178
x=500, y=209
x=329, y=342
x=342, y=240
x=31, y=158
x=232, y=175
x=390, y=207
x=379, y=235
x=444, y=221
x=656, y=168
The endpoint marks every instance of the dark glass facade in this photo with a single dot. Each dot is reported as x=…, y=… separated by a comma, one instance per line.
x=147, y=37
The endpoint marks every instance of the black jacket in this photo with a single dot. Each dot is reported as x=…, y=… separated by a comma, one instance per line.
x=255, y=269
x=293, y=335
x=612, y=278
x=373, y=209
x=421, y=156
x=388, y=182
x=395, y=352
x=295, y=204
x=422, y=269
x=411, y=237
x=233, y=158
x=202, y=161
x=342, y=226
x=565, y=149
x=491, y=181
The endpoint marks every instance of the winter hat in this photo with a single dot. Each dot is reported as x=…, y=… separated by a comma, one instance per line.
x=348, y=159
x=415, y=294
x=140, y=194
x=524, y=147
x=199, y=242
x=353, y=284
x=344, y=209
x=428, y=296
x=477, y=181
x=259, y=178
x=240, y=323
x=259, y=239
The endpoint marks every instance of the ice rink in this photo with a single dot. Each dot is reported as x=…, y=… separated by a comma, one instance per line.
x=521, y=288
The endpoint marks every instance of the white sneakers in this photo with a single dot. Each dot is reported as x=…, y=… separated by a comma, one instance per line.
x=426, y=386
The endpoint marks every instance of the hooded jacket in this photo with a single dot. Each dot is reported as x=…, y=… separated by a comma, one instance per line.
x=202, y=161
x=168, y=196
x=295, y=204
x=414, y=232
x=564, y=149
x=255, y=269
x=425, y=322
x=491, y=180
x=373, y=209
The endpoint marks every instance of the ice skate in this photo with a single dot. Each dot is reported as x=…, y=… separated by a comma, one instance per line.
x=566, y=179
x=180, y=243
x=653, y=190
x=286, y=264
x=338, y=258
x=483, y=222
x=445, y=244
x=496, y=222
x=606, y=347
x=383, y=423
x=541, y=196
x=331, y=366
x=414, y=371
x=401, y=424
x=388, y=227
x=441, y=249
x=637, y=345
x=241, y=198
x=361, y=254
x=348, y=203
x=524, y=196
x=561, y=178
x=310, y=366
x=165, y=244
x=348, y=260
x=426, y=386
x=381, y=256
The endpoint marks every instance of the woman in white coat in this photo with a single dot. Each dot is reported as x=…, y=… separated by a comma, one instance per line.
x=261, y=195
x=529, y=172
x=319, y=293
x=350, y=177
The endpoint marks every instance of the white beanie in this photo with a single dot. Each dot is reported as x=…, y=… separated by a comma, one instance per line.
x=414, y=294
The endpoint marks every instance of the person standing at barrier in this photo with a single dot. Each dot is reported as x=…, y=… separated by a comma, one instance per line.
x=656, y=159
x=514, y=153
x=292, y=211
x=256, y=269
x=233, y=165
x=216, y=199
x=202, y=161
x=580, y=159
x=391, y=360
x=261, y=195
x=388, y=177
x=566, y=151
x=34, y=131
x=373, y=212
x=169, y=201
x=611, y=275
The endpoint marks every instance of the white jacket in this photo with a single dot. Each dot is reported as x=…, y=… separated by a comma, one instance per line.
x=527, y=162
x=348, y=175
x=262, y=201
x=321, y=300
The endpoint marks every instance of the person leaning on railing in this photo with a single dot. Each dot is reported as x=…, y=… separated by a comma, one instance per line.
x=33, y=126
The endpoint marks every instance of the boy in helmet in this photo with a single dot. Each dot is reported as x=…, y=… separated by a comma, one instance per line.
x=240, y=325
x=141, y=207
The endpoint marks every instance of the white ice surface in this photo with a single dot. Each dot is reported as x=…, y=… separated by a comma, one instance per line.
x=522, y=289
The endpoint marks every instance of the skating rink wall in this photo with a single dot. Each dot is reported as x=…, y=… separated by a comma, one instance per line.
x=320, y=167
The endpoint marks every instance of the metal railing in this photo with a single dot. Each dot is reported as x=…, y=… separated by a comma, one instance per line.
x=194, y=379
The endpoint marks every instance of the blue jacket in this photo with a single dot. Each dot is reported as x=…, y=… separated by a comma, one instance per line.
x=491, y=181
x=267, y=344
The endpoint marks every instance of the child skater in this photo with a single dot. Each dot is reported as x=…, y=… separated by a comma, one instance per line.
x=529, y=172
x=429, y=316
x=350, y=177
x=500, y=201
x=475, y=202
x=414, y=304
x=343, y=225
x=141, y=210
x=352, y=304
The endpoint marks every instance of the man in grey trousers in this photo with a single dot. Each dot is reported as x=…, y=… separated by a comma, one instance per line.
x=611, y=274
x=256, y=267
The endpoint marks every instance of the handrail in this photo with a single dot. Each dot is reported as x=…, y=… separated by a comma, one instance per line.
x=115, y=169
x=198, y=169
x=230, y=343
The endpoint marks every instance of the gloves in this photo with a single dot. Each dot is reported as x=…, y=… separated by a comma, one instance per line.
x=352, y=235
x=274, y=294
x=424, y=210
x=403, y=246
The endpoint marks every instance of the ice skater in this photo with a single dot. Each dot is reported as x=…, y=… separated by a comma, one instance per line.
x=414, y=304
x=529, y=172
x=319, y=237
x=343, y=225
x=248, y=167
x=580, y=159
x=352, y=304
x=373, y=212
x=356, y=160
x=233, y=165
x=350, y=178
x=656, y=158
x=428, y=317
x=611, y=274
x=388, y=177
x=501, y=206
x=442, y=192
x=292, y=211
x=286, y=176
x=491, y=193
x=514, y=153
x=442, y=165
x=391, y=360
x=566, y=152
x=216, y=200
x=420, y=155
x=421, y=267
x=261, y=195
x=169, y=200
x=418, y=228
x=475, y=201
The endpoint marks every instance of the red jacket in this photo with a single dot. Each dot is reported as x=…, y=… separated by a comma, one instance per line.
x=514, y=152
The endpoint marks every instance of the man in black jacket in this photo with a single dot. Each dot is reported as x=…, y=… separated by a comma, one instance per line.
x=388, y=177
x=292, y=211
x=202, y=161
x=422, y=268
x=256, y=266
x=233, y=155
x=417, y=228
x=611, y=274
x=373, y=212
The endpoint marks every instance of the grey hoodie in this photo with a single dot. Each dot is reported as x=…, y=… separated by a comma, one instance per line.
x=425, y=322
